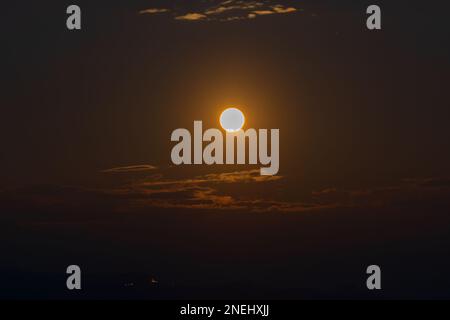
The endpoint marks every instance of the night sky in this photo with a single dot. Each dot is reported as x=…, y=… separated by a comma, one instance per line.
x=86, y=176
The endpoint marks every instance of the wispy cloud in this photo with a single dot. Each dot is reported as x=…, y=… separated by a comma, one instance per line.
x=134, y=168
x=430, y=182
x=283, y=9
x=153, y=10
x=191, y=16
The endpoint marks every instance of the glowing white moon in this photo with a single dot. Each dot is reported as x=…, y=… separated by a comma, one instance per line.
x=232, y=120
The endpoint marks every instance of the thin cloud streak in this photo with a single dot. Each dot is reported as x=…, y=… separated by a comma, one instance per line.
x=153, y=11
x=135, y=168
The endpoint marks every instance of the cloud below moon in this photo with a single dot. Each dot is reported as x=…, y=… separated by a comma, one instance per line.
x=147, y=187
x=228, y=10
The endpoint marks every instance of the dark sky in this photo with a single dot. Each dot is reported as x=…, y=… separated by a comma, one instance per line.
x=364, y=162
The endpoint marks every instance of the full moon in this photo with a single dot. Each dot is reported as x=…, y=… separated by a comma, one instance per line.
x=232, y=120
